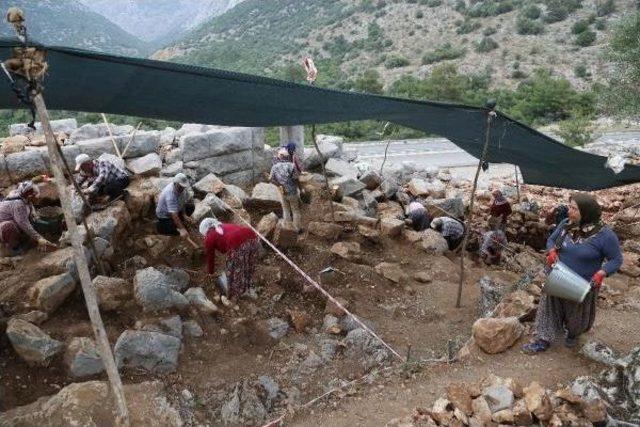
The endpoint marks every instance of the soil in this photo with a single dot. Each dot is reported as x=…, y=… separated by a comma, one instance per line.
x=412, y=315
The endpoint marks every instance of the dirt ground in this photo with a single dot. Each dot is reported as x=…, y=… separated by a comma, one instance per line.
x=416, y=315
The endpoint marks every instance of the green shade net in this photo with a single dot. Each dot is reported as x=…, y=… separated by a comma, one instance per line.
x=87, y=81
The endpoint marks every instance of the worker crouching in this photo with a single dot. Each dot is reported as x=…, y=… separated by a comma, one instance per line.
x=175, y=206
x=99, y=178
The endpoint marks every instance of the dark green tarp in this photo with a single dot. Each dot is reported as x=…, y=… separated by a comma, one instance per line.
x=93, y=82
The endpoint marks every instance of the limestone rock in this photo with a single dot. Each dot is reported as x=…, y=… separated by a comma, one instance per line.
x=339, y=167
x=496, y=335
x=503, y=417
x=172, y=169
x=209, y=184
x=521, y=415
x=285, y=235
x=371, y=179
x=347, y=186
x=392, y=272
x=391, y=227
x=112, y=292
x=460, y=398
x=91, y=404
x=278, y=328
x=422, y=277
x=389, y=187
x=111, y=222
x=450, y=207
x=371, y=234
x=147, y=165
x=433, y=242
x=199, y=300
x=518, y=304
x=31, y=343
x=165, y=325
x=326, y=230
x=192, y=329
x=267, y=225
x=390, y=210
x=49, y=293
x=481, y=410
x=266, y=196
x=13, y=144
x=499, y=397
x=347, y=250
x=82, y=358
x=411, y=236
x=153, y=351
x=311, y=159
x=418, y=187
x=153, y=291
x=538, y=402
x=331, y=308
x=216, y=142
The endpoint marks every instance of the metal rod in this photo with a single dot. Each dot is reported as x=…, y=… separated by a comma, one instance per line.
x=490, y=115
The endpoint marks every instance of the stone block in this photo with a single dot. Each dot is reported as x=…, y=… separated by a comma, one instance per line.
x=49, y=293
x=215, y=143
x=350, y=187
x=339, y=167
x=223, y=164
x=25, y=164
x=82, y=358
x=146, y=165
x=67, y=126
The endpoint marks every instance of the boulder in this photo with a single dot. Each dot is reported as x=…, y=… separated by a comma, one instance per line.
x=347, y=250
x=371, y=234
x=450, y=207
x=25, y=164
x=152, y=351
x=61, y=125
x=389, y=187
x=392, y=272
x=267, y=225
x=499, y=397
x=418, y=187
x=481, y=411
x=61, y=261
x=209, y=184
x=496, y=335
x=91, y=404
x=49, y=293
x=538, y=401
x=35, y=316
x=266, y=196
x=32, y=344
x=436, y=189
x=347, y=186
x=172, y=169
x=215, y=143
x=13, y=144
x=311, y=159
x=198, y=299
x=391, y=227
x=110, y=223
x=166, y=325
x=277, y=328
x=325, y=230
x=361, y=345
x=147, y=165
x=411, y=236
x=157, y=245
x=433, y=242
x=173, y=156
x=152, y=290
x=223, y=165
x=390, y=210
x=217, y=206
x=82, y=358
x=503, y=417
x=339, y=167
x=460, y=397
x=192, y=329
x=371, y=179
x=112, y=292
x=98, y=130
x=177, y=278
x=285, y=235
x=243, y=406
x=520, y=304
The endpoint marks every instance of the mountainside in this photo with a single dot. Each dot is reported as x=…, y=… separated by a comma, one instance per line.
x=159, y=21
x=506, y=39
x=70, y=23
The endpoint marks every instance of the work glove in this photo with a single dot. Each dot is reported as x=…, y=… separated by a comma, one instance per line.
x=596, y=280
x=552, y=257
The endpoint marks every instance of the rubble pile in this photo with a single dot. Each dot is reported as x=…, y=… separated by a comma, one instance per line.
x=503, y=401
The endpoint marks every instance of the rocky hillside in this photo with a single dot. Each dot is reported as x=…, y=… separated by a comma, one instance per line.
x=159, y=21
x=69, y=23
x=509, y=37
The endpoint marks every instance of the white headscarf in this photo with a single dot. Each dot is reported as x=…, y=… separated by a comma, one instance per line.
x=26, y=186
x=209, y=223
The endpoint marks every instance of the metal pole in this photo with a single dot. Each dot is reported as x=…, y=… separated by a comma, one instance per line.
x=490, y=115
x=104, y=347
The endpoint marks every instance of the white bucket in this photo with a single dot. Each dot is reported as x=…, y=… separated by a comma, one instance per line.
x=562, y=282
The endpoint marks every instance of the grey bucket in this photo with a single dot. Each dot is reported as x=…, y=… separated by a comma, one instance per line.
x=562, y=282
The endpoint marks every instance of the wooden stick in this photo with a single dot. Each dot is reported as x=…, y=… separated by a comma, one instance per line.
x=467, y=223
x=104, y=347
x=113, y=140
x=324, y=172
x=517, y=183
x=133, y=135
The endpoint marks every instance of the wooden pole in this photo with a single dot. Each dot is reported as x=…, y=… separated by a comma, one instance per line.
x=490, y=115
x=133, y=135
x=517, y=183
x=324, y=172
x=104, y=347
x=113, y=140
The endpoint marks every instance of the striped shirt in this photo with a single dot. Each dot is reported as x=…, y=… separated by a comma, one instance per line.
x=103, y=172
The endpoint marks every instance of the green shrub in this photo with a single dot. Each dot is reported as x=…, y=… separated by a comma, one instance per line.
x=489, y=31
x=461, y=6
x=586, y=38
x=525, y=26
x=580, y=27
x=490, y=8
x=556, y=12
x=600, y=24
x=369, y=82
x=419, y=14
x=487, y=44
x=576, y=131
x=431, y=3
x=467, y=26
x=606, y=7
x=531, y=11
x=581, y=71
x=442, y=53
x=396, y=62
x=518, y=74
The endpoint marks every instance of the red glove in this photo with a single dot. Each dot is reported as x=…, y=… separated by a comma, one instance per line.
x=596, y=280
x=552, y=257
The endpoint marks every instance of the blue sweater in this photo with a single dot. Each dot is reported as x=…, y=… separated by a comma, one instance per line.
x=588, y=256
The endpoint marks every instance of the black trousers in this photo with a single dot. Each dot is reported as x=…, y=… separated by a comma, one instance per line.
x=167, y=227
x=115, y=188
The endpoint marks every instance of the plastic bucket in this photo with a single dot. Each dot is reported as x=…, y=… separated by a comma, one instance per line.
x=562, y=282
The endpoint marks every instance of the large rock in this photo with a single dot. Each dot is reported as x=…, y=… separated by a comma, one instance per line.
x=347, y=250
x=391, y=227
x=152, y=290
x=13, y=144
x=267, y=225
x=266, y=196
x=222, y=165
x=390, y=210
x=392, y=272
x=285, y=235
x=389, y=187
x=82, y=358
x=371, y=179
x=166, y=325
x=49, y=293
x=311, y=159
x=189, y=128
x=499, y=397
x=448, y=207
x=25, y=164
x=92, y=404
x=243, y=406
x=368, y=350
x=153, y=351
x=418, y=187
x=496, y=335
x=31, y=343
x=339, y=167
x=61, y=261
x=209, y=184
x=538, y=401
x=112, y=292
x=326, y=230
x=198, y=299
x=215, y=142
x=110, y=223
x=147, y=165
x=347, y=186
x=433, y=242
x=520, y=304
x=98, y=130
x=62, y=125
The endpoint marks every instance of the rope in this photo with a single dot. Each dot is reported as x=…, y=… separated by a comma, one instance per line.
x=316, y=285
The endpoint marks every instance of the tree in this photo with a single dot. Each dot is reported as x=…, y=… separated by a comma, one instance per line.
x=369, y=82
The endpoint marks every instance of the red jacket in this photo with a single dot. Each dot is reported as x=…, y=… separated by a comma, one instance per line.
x=233, y=236
x=500, y=210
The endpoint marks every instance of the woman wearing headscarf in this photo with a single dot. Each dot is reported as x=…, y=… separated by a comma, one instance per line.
x=16, y=216
x=556, y=216
x=418, y=216
x=241, y=246
x=284, y=175
x=592, y=250
x=499, y=211
x=291, y=149
x=491, y=248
